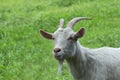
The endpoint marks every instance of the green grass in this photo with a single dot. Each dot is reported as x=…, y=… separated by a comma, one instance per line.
x=25, y=55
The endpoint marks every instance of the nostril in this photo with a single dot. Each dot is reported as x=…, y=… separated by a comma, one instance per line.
x=57, y=50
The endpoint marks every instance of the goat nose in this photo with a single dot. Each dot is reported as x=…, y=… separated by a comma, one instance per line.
x=57, y=50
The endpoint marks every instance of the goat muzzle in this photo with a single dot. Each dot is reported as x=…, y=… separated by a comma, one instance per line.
x=56, y=50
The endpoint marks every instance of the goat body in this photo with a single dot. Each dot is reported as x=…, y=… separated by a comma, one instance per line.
x=84, y=63
x=95, y=64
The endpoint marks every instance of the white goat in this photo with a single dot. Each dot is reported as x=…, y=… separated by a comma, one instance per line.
x=84, y=63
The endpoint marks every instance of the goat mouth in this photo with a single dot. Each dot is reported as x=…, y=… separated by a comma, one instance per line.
x=59, y=57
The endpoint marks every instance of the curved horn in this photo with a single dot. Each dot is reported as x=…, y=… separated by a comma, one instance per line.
x=75, y=20
x=61, y=23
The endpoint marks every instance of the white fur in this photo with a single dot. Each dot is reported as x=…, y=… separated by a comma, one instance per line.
x=95, y=64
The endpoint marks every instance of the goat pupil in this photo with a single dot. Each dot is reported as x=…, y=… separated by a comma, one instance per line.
x=53, y=38
x=70, y=38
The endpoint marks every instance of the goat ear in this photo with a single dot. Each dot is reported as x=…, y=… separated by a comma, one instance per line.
x=46, y=34
x=79, y=34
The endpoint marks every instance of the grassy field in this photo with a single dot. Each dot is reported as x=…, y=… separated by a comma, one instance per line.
x=25, y=55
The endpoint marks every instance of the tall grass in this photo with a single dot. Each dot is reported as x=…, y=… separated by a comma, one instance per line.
x=25, y=55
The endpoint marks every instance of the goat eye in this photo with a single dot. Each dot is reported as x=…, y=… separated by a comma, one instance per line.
x=53, y=38
x=70, y=38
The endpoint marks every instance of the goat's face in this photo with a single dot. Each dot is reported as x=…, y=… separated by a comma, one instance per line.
x=64, y=45
x=65, y=39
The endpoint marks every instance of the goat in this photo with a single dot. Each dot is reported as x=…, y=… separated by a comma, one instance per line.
x=84, y=63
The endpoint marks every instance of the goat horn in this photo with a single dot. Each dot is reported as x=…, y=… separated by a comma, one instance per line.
x=75, y=20
x=61, y=24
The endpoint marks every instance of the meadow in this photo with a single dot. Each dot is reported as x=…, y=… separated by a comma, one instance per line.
x=26, y=55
